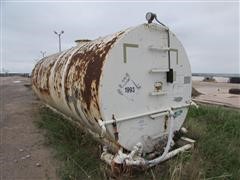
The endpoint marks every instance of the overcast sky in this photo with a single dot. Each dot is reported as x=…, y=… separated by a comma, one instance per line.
x=208, y=31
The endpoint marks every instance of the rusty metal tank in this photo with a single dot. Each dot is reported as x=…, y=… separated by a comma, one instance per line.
x=120, y=87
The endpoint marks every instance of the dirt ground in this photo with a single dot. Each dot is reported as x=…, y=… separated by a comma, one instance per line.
x=217, y=93
x=23, y=154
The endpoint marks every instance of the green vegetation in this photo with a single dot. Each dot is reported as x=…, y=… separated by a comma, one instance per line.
x=216, y=154
x=77, y=152
x=217, y=131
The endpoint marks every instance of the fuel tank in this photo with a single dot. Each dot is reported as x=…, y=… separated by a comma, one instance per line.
x=120, y=87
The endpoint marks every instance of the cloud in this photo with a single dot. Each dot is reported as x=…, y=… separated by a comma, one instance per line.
x=208, y=31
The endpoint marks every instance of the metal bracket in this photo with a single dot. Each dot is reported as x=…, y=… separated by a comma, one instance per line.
x=153, y=116
x=157, y=93
x=156, y=70
x=165, y=49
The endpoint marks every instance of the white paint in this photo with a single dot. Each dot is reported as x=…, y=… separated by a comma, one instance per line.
x=140, y=63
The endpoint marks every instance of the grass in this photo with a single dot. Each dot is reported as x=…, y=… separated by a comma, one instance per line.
x=217, y=131
x=77, y=151
x=216, y=154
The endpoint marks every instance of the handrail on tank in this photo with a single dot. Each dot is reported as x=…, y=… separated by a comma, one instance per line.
x=103, y=123
x=144, y=114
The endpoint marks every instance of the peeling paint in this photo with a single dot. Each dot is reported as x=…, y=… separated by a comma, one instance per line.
x=70, y=80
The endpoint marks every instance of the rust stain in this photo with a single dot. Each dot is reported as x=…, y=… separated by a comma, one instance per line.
x=41, y=73
x=94, y=71
x=83, y=73
x=114, y=124
x=165, y=122
x=58, y=71
x=35, y=73
x=75, y=77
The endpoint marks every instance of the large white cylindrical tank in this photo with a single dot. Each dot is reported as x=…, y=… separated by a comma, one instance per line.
x=120, y=86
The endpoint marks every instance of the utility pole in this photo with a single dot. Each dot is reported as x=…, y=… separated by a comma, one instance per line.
x=43, y=53
x=59, y=38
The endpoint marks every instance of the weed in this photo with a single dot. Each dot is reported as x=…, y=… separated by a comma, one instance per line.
x=216, y=154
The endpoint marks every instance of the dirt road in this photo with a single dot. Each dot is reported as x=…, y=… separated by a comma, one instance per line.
x=23, y=154
x=217, y=93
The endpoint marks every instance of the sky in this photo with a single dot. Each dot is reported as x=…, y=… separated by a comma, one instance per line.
x=209, y=31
